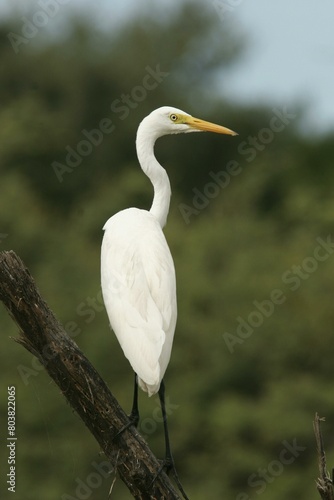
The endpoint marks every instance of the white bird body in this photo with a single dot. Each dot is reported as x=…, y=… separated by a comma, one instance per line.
x=139, y=291
x=137, y=270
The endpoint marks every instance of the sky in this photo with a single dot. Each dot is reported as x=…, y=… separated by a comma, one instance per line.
x=291, y=56
x=290, y=52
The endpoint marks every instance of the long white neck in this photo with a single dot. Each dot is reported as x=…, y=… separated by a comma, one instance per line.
x=156, y=173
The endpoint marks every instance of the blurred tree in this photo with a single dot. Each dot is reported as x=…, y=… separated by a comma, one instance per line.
x=57, y=94
x=253, y=227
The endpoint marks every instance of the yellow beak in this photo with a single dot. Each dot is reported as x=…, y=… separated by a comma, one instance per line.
x=207, y=126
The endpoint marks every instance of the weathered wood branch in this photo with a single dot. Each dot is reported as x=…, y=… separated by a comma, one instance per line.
x=43, y=335
x=324, y=482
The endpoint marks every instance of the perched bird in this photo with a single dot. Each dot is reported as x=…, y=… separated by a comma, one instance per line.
x=137, y=269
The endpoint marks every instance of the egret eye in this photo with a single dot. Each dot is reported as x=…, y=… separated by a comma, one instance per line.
x=173, y=117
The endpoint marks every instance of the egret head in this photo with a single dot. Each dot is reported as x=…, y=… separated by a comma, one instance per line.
x=168, y=120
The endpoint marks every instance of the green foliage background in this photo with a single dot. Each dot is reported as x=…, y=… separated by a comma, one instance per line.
x=232, y=409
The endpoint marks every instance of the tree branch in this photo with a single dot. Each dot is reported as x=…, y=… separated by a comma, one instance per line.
x=82, y=386
x=324, y=483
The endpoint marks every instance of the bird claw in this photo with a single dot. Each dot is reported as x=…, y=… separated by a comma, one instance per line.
x=133, y=420
x=169, y=466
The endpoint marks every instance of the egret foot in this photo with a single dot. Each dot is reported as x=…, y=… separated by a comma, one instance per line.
x=133, y=420
x=169, y=466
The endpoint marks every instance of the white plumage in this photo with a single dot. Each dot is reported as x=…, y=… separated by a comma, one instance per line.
x=138, y=283
x=137, y=270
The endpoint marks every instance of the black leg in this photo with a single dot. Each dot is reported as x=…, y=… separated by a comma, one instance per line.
x=134, y=415
x=169, y=461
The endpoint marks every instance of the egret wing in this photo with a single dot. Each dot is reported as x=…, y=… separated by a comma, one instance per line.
x=138, y=284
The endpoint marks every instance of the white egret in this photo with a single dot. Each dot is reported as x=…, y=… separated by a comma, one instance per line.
x=137, y=270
